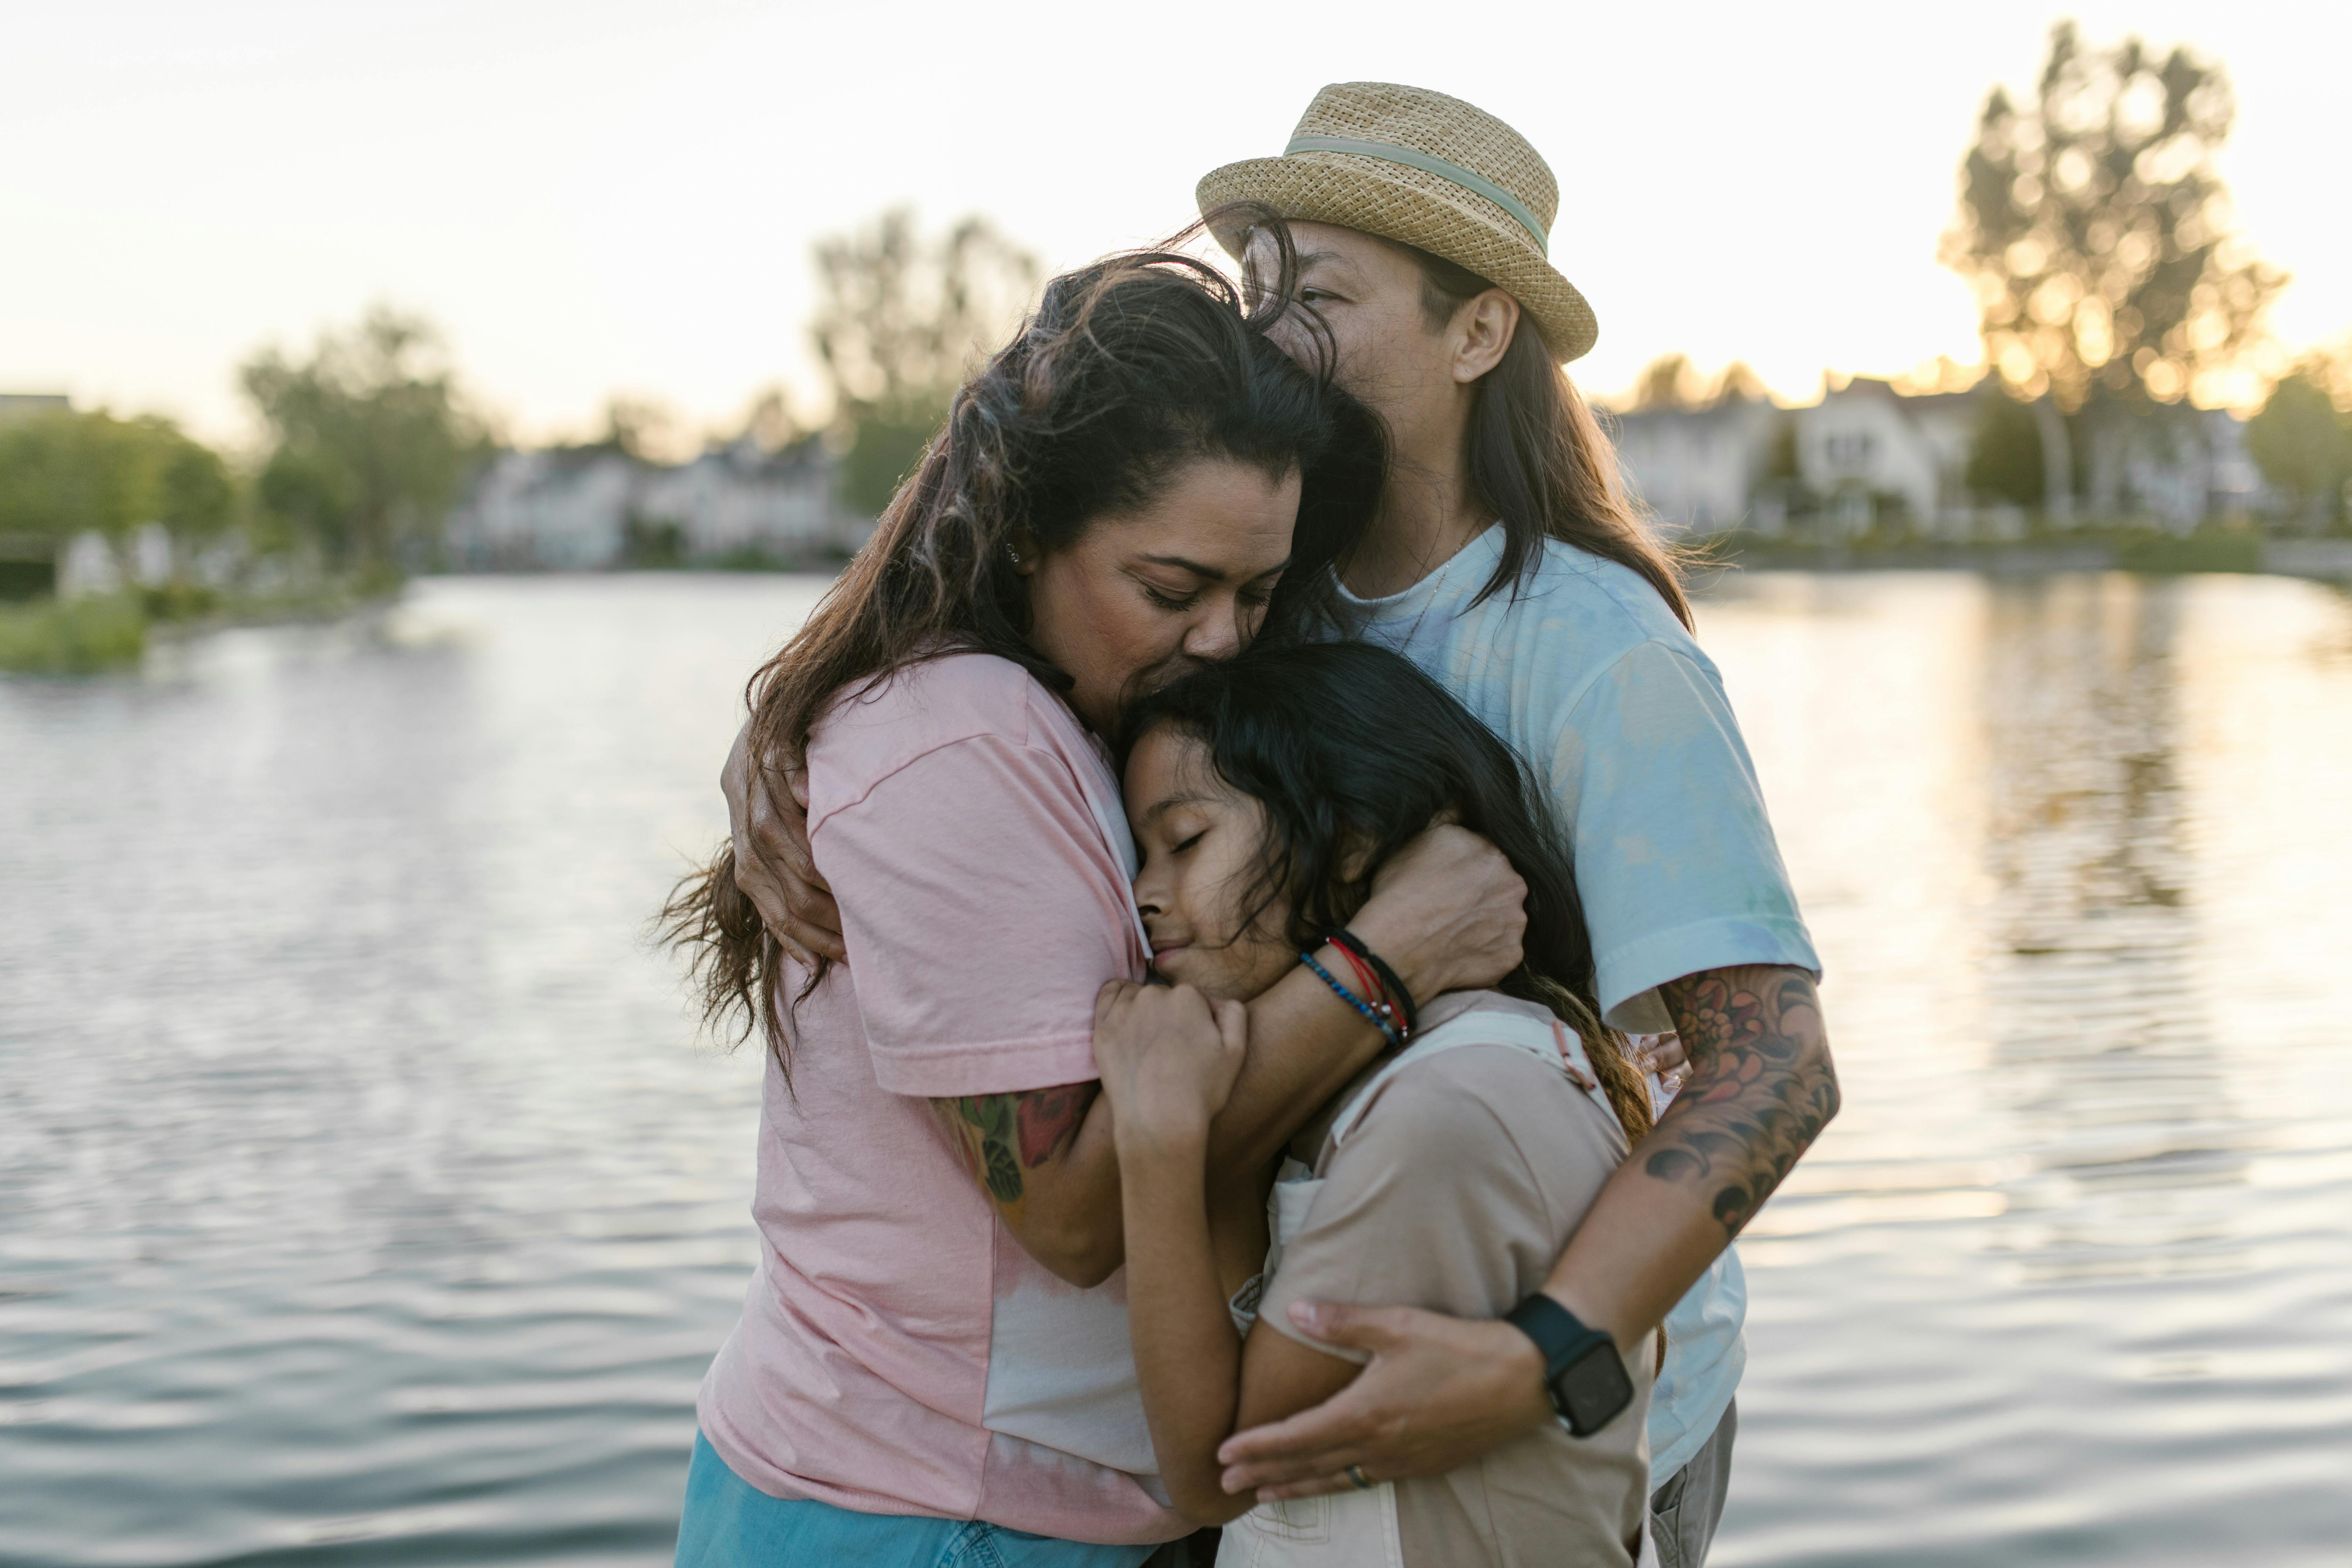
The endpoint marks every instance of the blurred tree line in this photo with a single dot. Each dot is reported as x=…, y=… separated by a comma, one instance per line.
x=367, y=445
x=63, y=474
x=2115, y=293
x=899, y=319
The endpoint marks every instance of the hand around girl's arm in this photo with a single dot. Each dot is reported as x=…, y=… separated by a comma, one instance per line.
x=1441, y=1391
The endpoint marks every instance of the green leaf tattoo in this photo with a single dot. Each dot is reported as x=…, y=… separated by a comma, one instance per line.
x=992, y=1115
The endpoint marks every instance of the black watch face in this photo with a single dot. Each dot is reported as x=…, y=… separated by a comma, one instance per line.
x=1592, y=1389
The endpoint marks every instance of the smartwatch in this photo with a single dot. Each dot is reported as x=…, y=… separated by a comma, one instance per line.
x=1583, y=1371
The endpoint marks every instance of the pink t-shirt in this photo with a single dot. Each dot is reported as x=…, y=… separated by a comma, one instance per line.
x=899, y=1352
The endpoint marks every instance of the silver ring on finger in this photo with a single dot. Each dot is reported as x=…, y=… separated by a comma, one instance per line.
x=1357, y=1478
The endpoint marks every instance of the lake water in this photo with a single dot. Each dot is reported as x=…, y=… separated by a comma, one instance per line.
x=364, y=1198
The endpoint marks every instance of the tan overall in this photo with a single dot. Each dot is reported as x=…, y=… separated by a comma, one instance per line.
x=1358, y=1529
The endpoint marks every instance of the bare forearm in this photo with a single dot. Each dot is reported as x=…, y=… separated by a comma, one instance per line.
x=1760, y=1090
x=1305, y=1045
x=1187, y=1356
x=1049, y=1160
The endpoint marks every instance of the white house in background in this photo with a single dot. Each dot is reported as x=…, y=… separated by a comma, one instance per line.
x=1864, y=445
x=739, y=498
x=1696, y=468
x=580, y=508
x=2182, y=470
x=2236, y=482
x=563, y=509
x=1866, y=450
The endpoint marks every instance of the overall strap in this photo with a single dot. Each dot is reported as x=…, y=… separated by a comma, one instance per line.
x=1479, y=1026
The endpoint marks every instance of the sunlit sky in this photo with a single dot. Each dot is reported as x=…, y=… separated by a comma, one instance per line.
x=594, y=197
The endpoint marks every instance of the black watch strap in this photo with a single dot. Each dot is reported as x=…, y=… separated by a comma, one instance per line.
x=1583, y=1371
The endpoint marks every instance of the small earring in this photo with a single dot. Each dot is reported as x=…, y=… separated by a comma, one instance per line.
x=1015, y=553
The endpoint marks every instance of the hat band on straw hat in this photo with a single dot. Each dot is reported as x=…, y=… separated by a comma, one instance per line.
x=1414, y=158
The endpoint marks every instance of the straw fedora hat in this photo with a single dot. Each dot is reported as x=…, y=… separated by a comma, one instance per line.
x=1436, y=173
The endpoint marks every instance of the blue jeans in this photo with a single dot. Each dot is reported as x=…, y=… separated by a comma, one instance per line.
x=730, y=1523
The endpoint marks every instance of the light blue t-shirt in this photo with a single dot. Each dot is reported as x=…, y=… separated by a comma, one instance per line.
x=1588, y=675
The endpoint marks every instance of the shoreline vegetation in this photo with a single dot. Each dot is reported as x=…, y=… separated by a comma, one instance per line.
x=98, y=633
x=2147, y=551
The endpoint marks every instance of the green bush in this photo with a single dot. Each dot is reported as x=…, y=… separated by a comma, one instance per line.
x=2165, y=553
x=77, y=637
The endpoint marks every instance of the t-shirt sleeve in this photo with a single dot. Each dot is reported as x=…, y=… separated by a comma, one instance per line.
x=1431, y=1202
x=1674, y=856
x=982, y=910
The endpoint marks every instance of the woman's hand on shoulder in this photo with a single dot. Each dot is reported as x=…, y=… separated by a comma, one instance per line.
x=774, y=868
x=1168, y=1057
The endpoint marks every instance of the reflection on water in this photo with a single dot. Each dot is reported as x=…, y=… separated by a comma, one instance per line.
x=363, y=1199
x=2099, y=1016
x=2070, y=1279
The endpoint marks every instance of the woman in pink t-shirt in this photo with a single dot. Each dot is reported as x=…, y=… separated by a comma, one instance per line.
x=933, y=1364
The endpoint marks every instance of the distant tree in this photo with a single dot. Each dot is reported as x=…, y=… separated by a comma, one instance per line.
x=1737, y=382
x=64, y=473
x=1668, y=381
x=897, y=321
x=371, y=442
x=770, y=424
x=2100, y=241
x=2302, y=440
x=198, y=497
x=643, y=427
x=2005, y=456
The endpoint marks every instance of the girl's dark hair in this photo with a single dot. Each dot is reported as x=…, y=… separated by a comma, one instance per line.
x=1538, y=459
x=1126, y=370
x=1352, y=751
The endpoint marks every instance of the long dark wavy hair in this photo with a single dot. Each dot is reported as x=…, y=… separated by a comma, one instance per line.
x=1352, y=751
x=1126, y=370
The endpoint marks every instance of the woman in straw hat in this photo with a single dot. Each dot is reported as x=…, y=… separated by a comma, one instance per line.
x=1505, y=563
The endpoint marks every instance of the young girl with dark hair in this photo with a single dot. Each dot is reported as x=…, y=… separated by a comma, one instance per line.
x=932, y=1364
x=1267, y=794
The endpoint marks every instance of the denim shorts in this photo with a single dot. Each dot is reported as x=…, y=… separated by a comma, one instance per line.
x=730, y=1523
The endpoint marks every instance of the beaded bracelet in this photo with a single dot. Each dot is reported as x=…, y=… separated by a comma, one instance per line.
x=1348, y=943
x=1371, y=1014
x=1368, y=985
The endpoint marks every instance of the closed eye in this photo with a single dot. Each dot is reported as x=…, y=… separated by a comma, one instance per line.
x=1170, y=600
x=1179, y=848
